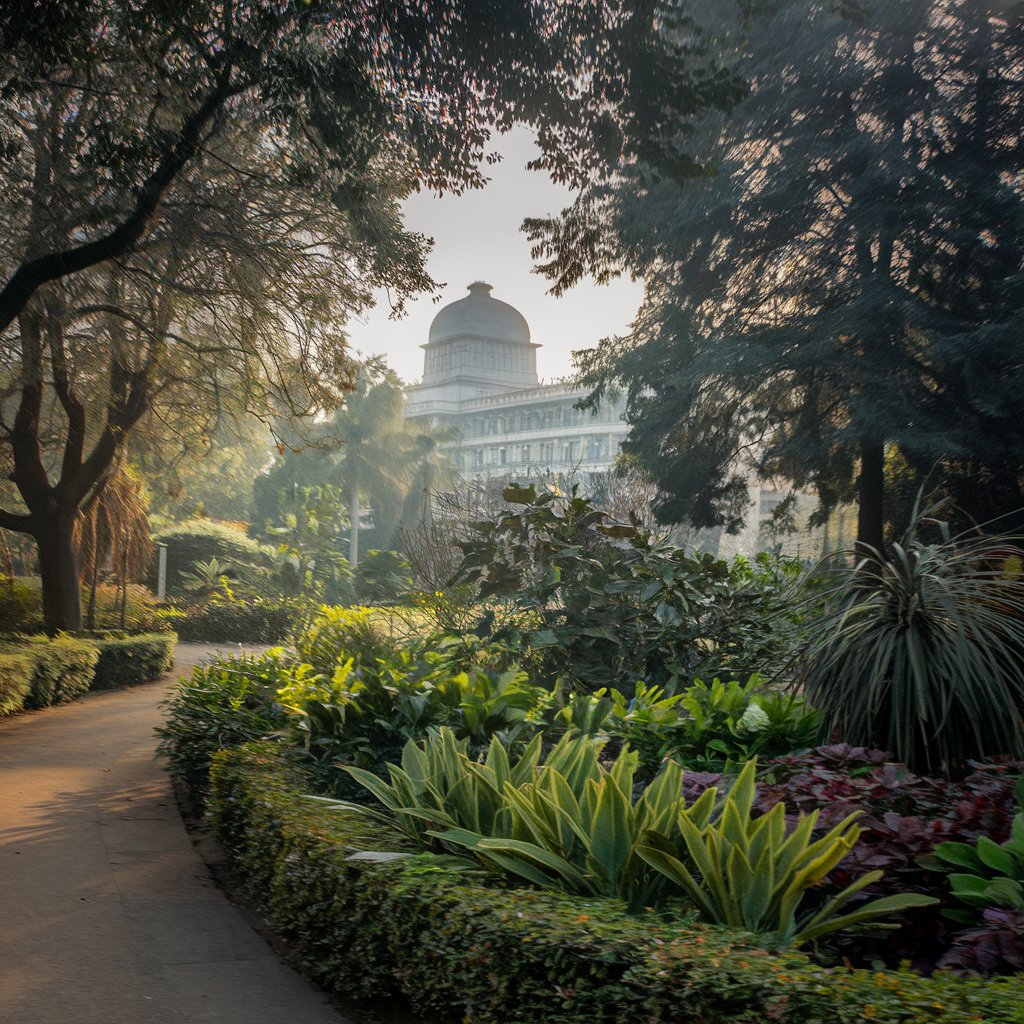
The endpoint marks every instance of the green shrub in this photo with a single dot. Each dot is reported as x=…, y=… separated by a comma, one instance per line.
x=613, y=607
x=991, y=874
x=21, y=607
x=199, y=540
x=368, y=926
x=129, y=660
x=256, y=620
x=572, y=824
x=919, y=652
x=705, y=727
x=16, y=672
x=62, y=671
x=221, y=705
x=336, y=634
x=383, y=576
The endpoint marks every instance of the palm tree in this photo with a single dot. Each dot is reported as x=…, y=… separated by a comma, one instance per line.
x=431, y=468
x=369, y=430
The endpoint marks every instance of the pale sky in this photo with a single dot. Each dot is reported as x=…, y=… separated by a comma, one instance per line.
x=477, y=237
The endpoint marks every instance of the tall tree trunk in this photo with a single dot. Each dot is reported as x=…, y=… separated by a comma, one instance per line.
x=58, y=570
x=870, y=495
x=353, y=532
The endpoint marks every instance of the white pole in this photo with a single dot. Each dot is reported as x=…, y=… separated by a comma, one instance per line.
x=161, y=572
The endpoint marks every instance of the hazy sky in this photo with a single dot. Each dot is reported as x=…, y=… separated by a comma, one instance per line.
x=476, y=236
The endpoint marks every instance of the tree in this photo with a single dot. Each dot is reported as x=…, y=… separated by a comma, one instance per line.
x=431, y=472
x=369, y=433
x=847, y=285
x=199, y=193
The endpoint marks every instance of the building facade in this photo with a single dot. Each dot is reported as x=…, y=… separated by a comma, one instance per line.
x=480, y=376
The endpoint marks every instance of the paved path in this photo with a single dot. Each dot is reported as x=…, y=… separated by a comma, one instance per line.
x=107, y=914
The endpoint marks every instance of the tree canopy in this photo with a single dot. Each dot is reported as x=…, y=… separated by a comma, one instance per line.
x=847, y=285
x=197, y=196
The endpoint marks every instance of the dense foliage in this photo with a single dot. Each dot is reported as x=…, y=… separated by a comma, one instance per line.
x=15, y=681
x=62, y=668
x=846, y=286
x=921, y=651
x=368, y=925
x=128, y=660
x=612, y=606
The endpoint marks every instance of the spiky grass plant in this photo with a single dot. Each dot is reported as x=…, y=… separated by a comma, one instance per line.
x=921, y=650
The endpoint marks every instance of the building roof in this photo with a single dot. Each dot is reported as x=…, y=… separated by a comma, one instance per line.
x=479, y=316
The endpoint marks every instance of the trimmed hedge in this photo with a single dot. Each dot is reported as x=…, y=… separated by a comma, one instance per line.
x=482, y=955
x=257, y=621
x=130, y=660
x=199, y=540
x=63, y=668
x=15, y=681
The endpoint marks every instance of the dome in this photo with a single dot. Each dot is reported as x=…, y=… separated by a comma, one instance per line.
x=480, y=316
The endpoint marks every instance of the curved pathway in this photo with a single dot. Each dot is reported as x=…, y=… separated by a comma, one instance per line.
x=107, y=914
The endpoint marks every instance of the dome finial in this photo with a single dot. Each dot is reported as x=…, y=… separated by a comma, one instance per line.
x=479, y=288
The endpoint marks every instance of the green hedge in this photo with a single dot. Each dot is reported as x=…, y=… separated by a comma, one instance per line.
x=199, y=540
x=15, y=681
x=259, y=620
x=62, y=671
x=129, y=660
x=475, y=954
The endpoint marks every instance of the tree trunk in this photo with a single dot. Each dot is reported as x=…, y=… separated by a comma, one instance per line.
x=58, y=569
x=353, y=532
x=870, y=495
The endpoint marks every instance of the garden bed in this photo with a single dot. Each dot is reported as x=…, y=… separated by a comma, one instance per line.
x=371, y=927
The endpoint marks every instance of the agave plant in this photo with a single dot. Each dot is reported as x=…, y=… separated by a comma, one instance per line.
x=748, y=873
x=921, y=651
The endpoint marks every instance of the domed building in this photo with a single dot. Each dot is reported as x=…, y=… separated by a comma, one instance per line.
x=480, y=375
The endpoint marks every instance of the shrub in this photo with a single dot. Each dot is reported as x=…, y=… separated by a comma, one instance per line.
x=129, y=660
x=748, y=873
x=199, y=540
x=62, y=669
x=221, y=705
x=15, y=681
x=572, y=824
x=920, y=652
x=614, y=607
x=257, y=620
x=705, y=727
x=383, y=576
x=21, y=607
x=335, y=635
x=367, y=926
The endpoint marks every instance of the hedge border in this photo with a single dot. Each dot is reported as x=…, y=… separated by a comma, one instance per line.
x=16, y=671
x=483, y=955
x=62, y=668
x=131, y=660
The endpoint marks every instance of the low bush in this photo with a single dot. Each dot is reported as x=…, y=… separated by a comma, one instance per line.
x=200, y=540
x=220, y=705
x=256, y=620
x=383, y=577
x=369, y=925
x=919, y=650
x=21, y=607
x=62, y=668
x=129, y=660
x=706, y=727
x=16, y=672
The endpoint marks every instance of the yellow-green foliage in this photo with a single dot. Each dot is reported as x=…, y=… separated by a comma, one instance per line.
x=63, y=668
x=370, y=927
x=15, y=681
x=748, y=873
